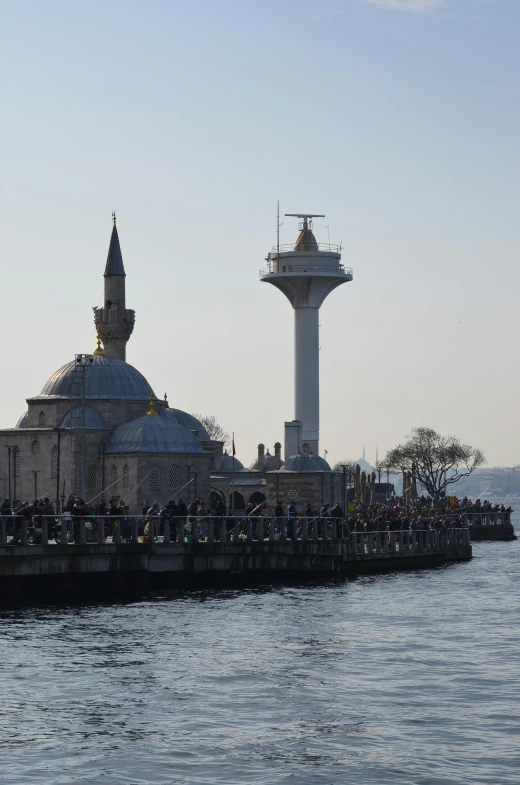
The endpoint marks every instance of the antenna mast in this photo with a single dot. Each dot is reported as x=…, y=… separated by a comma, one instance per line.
x=278, y=231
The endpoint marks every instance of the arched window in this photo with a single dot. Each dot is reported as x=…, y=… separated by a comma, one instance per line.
x=155, y=478
x=35, y=447
x=41, y=419
x=17, y=463
x=130, y=417
x=54, y=461
x=114, y=478
x=173, y=477
x=126, y=477
x=92, y=477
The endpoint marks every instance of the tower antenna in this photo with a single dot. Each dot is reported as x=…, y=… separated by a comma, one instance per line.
x=278, y=230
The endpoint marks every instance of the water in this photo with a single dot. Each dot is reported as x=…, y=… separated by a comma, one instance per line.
x=412, y=678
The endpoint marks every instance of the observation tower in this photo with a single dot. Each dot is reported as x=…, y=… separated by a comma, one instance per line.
x=306, y=273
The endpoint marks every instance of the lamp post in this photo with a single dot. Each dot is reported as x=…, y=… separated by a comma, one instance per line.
x=58, y=473
x=9, y=474
x=345, y=501
x=36, y=473
x=83, y=361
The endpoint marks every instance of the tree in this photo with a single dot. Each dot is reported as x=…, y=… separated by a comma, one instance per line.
x=214, y=429
x=435, y=461
x=351, y=466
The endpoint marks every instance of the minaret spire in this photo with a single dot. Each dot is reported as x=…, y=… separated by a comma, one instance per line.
x=114, y=321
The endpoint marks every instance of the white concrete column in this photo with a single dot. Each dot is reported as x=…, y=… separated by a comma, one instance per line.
x=307, y=374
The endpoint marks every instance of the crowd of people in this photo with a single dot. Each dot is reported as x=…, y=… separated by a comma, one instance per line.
x=391, y=515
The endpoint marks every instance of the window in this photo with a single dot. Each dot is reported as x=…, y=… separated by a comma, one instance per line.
x=126, y=477
x=292, y=494
x=17, y=463
x=41, y=419
x=130, y=417
x=54, y=461
x=114, y=478
x=155, y=478
x=173, y=477
x=92, y=477
x=35, y=447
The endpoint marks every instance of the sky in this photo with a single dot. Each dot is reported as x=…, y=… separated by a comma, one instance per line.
x=397, y=119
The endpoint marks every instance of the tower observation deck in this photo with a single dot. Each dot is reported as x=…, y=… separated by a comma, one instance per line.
x=306, y=272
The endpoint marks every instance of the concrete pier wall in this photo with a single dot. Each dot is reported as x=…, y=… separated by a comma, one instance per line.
x=78, y=569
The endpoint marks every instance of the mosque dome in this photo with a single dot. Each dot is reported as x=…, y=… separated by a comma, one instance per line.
x=93, y=420
x=226, y=464
x=191, y=423
x=265, y=463
x=303, y=462
x=106, y=379
x=23, y=421
x=157, y=433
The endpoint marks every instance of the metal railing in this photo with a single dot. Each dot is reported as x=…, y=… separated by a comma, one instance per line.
x=66, y=529
x=276, y=268
x=291, y=248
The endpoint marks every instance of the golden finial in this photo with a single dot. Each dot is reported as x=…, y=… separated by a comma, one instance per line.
x=151, y=410
x=114, y=216
x=99, y=349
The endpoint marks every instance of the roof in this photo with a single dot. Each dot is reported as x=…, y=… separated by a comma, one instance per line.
x=106, y=379
x=93, y=420
x=226, y=464
x=161, y=433
x=23, y=421
x=114, y=265
x=302, y=462
x=191, y=423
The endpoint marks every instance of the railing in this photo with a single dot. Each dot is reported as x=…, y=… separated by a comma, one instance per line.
x=291, y=248
x=276, y=268
x=17, y=530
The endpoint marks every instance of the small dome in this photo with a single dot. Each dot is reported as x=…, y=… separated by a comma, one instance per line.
x=191, y=423
x=226, y=464
x=265, y=463
x=160, y=433
x=23, y=421
x=106, y=379
x=93, y=420
x=302, y=462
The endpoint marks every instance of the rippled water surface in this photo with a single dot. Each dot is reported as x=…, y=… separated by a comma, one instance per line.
x=412, y=678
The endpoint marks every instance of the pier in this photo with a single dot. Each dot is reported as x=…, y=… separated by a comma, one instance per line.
x=224, y=556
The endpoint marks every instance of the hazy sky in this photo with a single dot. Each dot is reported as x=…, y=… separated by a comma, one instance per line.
x=398, y=119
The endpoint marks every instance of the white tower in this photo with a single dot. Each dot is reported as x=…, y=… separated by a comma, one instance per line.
x=306, y=273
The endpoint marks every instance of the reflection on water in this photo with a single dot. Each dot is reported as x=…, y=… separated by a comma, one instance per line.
x=410, y=678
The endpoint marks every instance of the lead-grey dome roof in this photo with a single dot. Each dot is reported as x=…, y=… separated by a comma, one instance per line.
x=93, y=420
x=106, y=379
x=160, y=433
x=23, y=421
x=226, y=464
x=302, y=462
x=266, y=463
x=191, y=423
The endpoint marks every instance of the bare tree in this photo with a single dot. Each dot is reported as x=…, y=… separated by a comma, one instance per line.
x=214, y=429
x=338, y=466
x=435, y=461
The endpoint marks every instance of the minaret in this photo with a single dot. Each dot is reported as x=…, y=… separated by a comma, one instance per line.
x=114, y=322
x=306, y=273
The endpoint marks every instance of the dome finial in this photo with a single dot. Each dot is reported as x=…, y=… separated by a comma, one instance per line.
x=98, y=351
x=114, y=216
x=151, y=410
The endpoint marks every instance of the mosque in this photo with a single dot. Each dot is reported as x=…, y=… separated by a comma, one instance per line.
x=97, y=430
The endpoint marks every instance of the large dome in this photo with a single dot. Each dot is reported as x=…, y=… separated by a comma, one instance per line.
x=160, y=433
x=191, y=423
x=302, y=462
x=105, y=379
